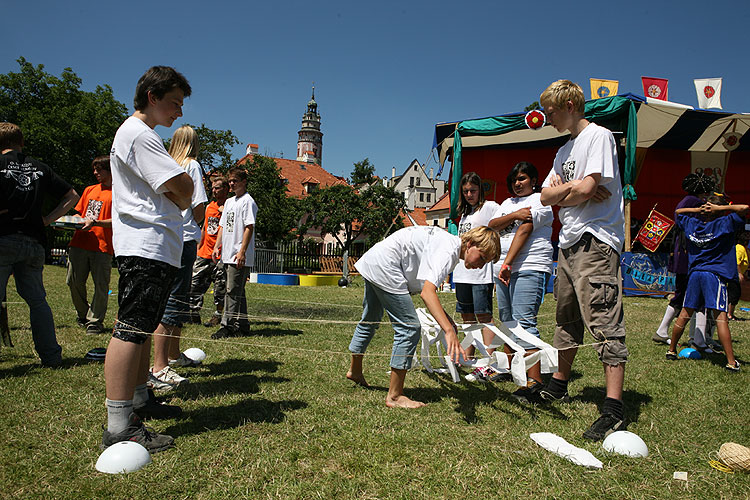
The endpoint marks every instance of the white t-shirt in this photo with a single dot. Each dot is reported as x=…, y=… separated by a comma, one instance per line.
x=238, y=214
x=593, y=152
x=536, y=254
x=401, y=263
x=488, y=211
x=191, y=231
x=145, y=223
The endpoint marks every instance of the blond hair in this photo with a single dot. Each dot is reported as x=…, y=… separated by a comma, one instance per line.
x=11, y=136
x=560, y=92
x=184, y=146
x=484, y=238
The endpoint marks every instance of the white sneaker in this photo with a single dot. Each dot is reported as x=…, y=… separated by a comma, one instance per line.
x=479, y=374
x=183, y=361
x=166, y=379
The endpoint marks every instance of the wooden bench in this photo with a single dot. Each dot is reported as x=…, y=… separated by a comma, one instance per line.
x=335, y=265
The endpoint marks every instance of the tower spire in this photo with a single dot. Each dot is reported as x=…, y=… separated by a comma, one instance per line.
x=310, y=142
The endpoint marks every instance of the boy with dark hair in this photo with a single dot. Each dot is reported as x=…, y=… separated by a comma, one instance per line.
x=149, y=190
x=235, y=246
x=712, y=263
x=91, y=250
x=24, y=182
x=585, y=183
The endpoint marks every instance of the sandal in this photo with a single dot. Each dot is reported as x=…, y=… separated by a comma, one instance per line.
x=671, y=355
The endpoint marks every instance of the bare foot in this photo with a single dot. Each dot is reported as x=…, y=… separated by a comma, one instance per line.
x=403, y=402
x=359, y=379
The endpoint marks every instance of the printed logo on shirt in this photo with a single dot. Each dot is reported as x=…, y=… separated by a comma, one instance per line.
x=464, y=228
x=511, y=227
x=569, y=169
x=701, y=240
x=230, y=223
x=23, y=173
x=93, y=209
x=212, y=225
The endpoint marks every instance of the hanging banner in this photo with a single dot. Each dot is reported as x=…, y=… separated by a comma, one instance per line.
x=654, y=230
x=655, y=88
x=709, y=92
x=646, y=274
x=603, y=88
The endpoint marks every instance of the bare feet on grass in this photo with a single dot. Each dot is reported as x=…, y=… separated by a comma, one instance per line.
x=403, y=402
x=357, y=379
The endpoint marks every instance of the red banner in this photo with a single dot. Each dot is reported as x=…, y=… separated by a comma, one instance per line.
x=654, y=230
x=655, y=88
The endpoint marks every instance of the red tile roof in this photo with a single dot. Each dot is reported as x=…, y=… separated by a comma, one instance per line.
x=444, y=203
x=296, y=173
x=417, y=214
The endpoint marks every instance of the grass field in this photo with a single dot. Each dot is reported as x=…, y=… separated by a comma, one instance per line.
x=271, y=416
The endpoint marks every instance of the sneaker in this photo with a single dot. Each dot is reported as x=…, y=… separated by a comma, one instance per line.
x=153, y=408
x=671, y=356
x=183, y=361
x=481, y=374
x=94, y=329
x=550, y=397
x=713, y=344
x=165, y=379
x=81, y=322
x=223, y=333
x=703, y=349
x=605, y=425
x=500, y=377
x=139, y=433
x=530, y=393
x=735, y=368
x=659, y=339
x=214, y=321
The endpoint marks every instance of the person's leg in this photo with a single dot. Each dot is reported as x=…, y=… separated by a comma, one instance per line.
x=679, y=327
x=396, y=397
x=78, y=272
x=220, y=287
x=243, y=323
x=230, y=318
x=101, y=273
x=569, y=330
x=527, y=289
x=163, y=337
x=372, y=314
x=465, y=308
x=483, y=310
x=725, y=337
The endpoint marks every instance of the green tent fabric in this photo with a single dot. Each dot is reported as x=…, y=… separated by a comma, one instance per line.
x=606, y=108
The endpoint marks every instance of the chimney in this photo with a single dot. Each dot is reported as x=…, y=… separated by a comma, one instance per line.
x=252, y=149
x=432, y=174
x=393, y=172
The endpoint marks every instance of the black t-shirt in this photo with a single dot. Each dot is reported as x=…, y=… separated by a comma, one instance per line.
x=24, y=183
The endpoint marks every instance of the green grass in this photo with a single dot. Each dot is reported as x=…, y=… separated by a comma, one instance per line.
x=271, y=416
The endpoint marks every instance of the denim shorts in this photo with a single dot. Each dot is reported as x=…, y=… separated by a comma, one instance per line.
x=473, y=298
x=177, y=311
x=142, y=295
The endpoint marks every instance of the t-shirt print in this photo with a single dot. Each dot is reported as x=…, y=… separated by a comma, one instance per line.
x=212, y=225
x=230, y=223
x=93, y=209
x=569, y=169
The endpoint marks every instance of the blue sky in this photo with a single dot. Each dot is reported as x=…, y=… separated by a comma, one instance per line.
x=385, y=72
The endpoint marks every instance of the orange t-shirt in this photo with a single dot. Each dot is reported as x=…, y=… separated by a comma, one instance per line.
x=210, y=230
x=96, y=202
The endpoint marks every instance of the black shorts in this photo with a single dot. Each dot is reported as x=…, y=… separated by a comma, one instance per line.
x=734, y=291
x=142, y=295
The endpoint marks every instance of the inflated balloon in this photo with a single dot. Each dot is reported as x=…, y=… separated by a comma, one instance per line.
x=195, y=354
x=625, y=443
x=689, y=353
x=125, y=456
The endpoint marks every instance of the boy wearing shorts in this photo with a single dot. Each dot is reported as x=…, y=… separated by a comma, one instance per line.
x=149, y=190
x=585, y=183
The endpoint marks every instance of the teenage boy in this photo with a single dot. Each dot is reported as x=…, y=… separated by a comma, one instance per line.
x=205, y=270
x=235, y=246
x=91, y=250
x=412, y=260
x=24, y=183
x=585, y=183
x=149, y=190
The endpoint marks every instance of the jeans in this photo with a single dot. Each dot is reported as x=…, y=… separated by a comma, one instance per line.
x=404, y=320
x=24, y=257
x=521, y=300
x=235, y=301
x=177, y=311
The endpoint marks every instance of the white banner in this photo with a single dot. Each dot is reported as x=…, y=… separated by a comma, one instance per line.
x=709, y=92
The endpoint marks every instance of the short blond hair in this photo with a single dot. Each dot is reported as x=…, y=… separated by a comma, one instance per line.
x=560, y=92
x=484, y=238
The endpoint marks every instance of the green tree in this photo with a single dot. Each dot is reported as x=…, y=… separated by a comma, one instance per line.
x=363, y=172
x=214, y=147
x=346, y=213
x=278, y=214
x=531, y=107
x=62, y=125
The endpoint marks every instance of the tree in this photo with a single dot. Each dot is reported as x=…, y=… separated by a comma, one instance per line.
x=278, y=214
x=214, y=147
x=62, y=125
x=534, y=105
x=363, y=172
x=346, y=213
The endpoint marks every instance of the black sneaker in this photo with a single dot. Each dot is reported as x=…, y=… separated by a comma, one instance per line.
x=671, y=356
x=223, y=333
x=94, y=329
x=155, y=409
x=214, y=321
x=81, y=322
x=529, y=394
x=500, y=377
x=605, y=425
x=548, y=396
x=139, y=433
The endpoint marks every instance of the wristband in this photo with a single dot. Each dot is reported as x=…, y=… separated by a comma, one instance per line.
x=504, y=267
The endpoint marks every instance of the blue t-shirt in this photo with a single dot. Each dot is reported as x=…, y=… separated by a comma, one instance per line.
x=711, y=245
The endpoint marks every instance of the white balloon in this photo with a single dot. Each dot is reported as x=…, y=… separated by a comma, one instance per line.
x=195, y=354
x=125, y=456
x=626, y=443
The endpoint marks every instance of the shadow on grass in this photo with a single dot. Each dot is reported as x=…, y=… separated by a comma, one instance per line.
x=241, y=379
x=35, y=366
x=240, y=413
x=633, y=401
x=273, y=332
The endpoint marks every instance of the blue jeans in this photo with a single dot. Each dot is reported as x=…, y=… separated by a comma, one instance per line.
x=404, y=320
x=521, y=300
x=178, y=305
x=24, y=257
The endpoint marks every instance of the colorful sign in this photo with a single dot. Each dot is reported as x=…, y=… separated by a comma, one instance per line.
x=654, y=230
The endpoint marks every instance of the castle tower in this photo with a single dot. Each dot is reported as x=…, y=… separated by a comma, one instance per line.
x=310, y=143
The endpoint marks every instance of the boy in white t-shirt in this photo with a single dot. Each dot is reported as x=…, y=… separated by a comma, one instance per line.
x=585, y=183
x=149, y=190
x=235, y=246
x=412, y=260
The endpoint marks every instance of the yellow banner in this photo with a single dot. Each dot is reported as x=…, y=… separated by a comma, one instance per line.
x=603, y=88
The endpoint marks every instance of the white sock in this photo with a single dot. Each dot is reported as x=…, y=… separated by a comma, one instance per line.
x=140, y=396
x=699, y=333
x=669, y=315
x=118, y=415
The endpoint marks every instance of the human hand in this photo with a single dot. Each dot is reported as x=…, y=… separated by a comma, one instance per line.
x=504, y=275
x=240, y=259
x=216, y=254
x=523, y=214
x=88, y=223
x=601, y=194
x=454, y=349
x=556, y=181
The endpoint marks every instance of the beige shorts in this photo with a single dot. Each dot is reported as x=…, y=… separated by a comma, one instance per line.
x=588, y=290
